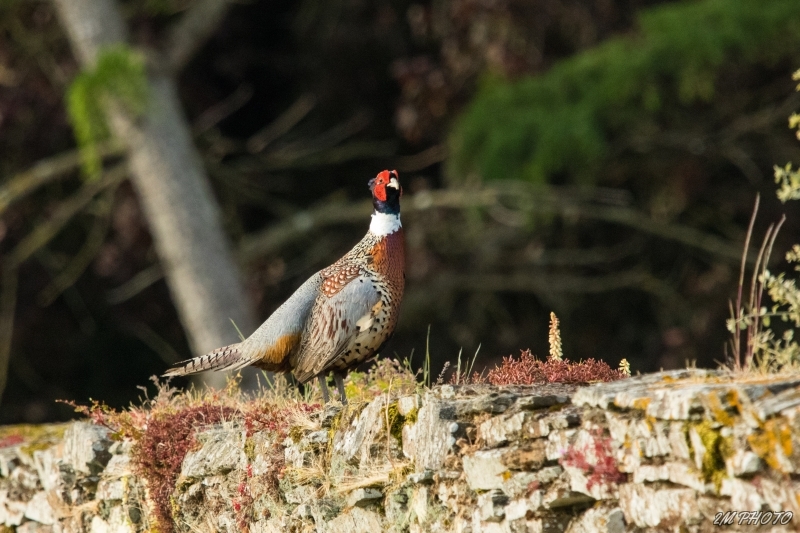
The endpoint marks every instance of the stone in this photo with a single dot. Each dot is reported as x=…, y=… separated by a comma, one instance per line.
x=491, y=506
x=317, y=437
x=115, y=523
x=560, y=494
x=675, y=472
x=527, y=456
x=47, y=466
x=650, y=508
x=12, y=512
x=408, y=404
x=356, y=520
x=425, y=476
x=355, y=445
x=34, y=527
x=558, y=442
x=329, y=413
x=221, y=451
x=428, y=441
x=524, y=507
x=499, y=430
x=363, y=497
x=86, y=447
x=485, y=469
x=743, y=495
x=604, y=519
x=40, y=510
x=742, y=463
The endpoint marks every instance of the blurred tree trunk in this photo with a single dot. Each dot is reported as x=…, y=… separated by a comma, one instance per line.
x=174, y=191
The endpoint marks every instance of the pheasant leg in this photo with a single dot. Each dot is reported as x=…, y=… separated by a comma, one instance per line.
x=324, y=387
x=339, y=378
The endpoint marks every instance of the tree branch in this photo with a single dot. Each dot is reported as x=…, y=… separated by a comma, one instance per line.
x=45, y=171
x=81, y=260
x=540, y=201
x=192, y=31
x=45, y=231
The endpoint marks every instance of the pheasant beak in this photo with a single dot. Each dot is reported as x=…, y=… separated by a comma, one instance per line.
x=393, y=183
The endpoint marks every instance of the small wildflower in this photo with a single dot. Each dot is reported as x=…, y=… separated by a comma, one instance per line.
x=625, y=367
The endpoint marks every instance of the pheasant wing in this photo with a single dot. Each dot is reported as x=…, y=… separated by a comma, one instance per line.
x=335, y=323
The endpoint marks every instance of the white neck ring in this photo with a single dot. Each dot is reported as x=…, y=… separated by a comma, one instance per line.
x=384, y=224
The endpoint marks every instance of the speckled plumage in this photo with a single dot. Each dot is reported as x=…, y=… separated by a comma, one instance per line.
x=337, y=319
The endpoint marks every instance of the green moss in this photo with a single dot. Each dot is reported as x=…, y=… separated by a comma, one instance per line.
x=395, y=421
x=411, y=417
x=296, y=434
x=713, y=459
x=33, y=437
x=250, y=449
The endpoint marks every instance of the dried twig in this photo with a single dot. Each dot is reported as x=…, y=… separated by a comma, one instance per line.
x=736, y=346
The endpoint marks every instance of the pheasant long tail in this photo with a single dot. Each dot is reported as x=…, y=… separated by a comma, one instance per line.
x=220, y=359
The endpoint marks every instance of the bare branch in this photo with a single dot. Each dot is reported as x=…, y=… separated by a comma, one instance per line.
x=193, y=30
x=81, y=260
x=45, y=171
x=48, y=229
x=281, y=125
x=542, y=201
x=135, y=285
x=222, y=110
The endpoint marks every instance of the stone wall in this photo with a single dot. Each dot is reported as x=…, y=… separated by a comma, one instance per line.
x=661, y=452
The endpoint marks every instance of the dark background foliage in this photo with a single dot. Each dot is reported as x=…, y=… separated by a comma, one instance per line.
x=443, y=91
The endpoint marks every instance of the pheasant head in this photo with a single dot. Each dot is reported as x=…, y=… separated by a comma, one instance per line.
x=386, y=193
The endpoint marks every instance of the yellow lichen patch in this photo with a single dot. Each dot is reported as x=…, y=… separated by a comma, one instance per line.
x=720, y=414
x=733, y=399
x=641, y=403
x=774, y=440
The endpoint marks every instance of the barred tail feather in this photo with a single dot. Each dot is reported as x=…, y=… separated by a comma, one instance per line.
x=220, y=359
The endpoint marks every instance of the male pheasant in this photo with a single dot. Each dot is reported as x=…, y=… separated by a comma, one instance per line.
x=340, y=317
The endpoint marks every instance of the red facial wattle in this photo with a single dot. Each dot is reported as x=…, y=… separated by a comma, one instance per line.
x=379, y=189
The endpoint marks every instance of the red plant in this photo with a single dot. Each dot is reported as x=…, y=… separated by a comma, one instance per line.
x=11, y=440
x=159, y=452
x=527, y=370
x=604, y=470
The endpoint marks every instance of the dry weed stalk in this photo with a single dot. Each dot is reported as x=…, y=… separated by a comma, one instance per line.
x=554, y=337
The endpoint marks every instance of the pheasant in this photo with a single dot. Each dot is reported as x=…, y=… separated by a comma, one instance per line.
x=340, y=317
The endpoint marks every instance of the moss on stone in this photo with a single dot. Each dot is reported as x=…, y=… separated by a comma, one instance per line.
x=31, y=437
x=713, y=462
x=250, y=449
